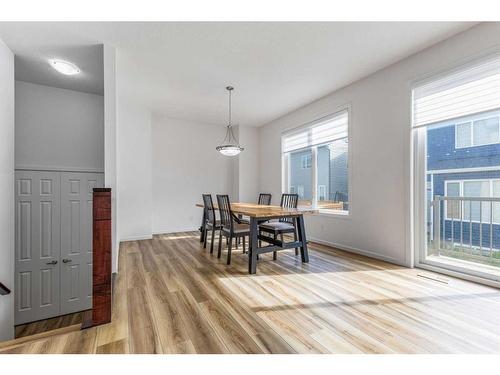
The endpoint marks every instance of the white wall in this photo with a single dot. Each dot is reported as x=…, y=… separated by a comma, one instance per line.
x=58, y=128
x=110, y=142
x=248, y=165
x=133, y=161
x=6, y=190
x=185, y=165
x=379, y=222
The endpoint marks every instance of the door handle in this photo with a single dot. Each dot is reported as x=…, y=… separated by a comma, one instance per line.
x=67, y=260
x=53, y=262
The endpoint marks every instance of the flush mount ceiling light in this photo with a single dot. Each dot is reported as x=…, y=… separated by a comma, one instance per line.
x=64, y=67
x=229, y=146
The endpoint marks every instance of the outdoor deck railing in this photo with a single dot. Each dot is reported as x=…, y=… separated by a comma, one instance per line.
x=466, y=228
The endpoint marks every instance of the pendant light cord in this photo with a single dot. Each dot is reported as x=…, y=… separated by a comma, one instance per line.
x=230, y=106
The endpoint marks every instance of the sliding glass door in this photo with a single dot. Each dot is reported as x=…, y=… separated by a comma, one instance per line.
x=456, y=130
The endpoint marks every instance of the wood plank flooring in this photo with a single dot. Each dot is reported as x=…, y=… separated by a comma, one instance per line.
x=173, y=296
x=24, y=330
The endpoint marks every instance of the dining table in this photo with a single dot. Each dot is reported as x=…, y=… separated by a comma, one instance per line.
x=258, y=213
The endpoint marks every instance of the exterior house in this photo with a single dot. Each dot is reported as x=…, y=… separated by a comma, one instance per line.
x=332, y=173
x=463, y=160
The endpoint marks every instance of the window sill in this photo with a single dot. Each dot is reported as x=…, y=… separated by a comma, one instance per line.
x=334, y=213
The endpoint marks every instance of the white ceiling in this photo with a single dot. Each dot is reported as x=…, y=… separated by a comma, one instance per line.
x=181, y=69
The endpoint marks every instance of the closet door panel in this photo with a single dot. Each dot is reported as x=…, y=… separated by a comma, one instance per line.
x=37, y=245
x=76, y=240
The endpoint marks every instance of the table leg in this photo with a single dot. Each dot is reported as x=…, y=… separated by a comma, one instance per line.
x=302, y=238
x=252, y=256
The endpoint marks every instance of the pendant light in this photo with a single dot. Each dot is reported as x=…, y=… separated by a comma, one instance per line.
x=229, y=146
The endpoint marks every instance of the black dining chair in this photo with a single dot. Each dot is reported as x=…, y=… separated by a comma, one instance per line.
x=265, y=198
x=231, y=226
x=283, y=225
x=211, y=222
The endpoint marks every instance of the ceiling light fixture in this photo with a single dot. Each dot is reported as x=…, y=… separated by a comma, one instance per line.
x=64, y=67
x=229, y=146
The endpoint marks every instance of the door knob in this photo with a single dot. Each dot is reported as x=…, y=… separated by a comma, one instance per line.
x=52, y=262
x=67, y=261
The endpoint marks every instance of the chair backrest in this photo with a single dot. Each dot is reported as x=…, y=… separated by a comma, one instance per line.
x=265, y=198
x=226, y=216
x=208, y=206
x=289, y=201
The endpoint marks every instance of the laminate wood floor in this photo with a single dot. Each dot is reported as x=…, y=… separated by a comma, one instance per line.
x=173, y=296
x=28, y=329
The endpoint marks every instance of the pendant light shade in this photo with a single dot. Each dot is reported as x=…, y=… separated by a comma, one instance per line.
x=229, y=146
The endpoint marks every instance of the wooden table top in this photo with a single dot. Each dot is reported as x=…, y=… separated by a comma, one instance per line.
x=259, y=210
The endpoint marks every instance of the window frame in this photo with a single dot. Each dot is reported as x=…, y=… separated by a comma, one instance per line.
x=285, y=160
x=472, y=123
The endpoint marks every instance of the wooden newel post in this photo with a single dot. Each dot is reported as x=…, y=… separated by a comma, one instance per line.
x=101, y=260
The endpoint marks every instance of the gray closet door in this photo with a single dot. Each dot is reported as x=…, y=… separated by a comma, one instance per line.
x=76, y=240
x=37, y=245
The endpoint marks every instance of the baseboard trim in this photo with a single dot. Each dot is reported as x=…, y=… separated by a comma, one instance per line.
x=137, y=238
x=169, y=231
x=354, y=250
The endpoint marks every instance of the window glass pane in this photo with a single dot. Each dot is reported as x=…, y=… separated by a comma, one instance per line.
x=332, y=174
x=306, y=161
x=453, y=207
x=486, y=131
x=496, y=205
x=476, y=189
x=300, y=178
x=464, y=135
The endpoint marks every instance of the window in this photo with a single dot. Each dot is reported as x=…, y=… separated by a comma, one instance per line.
x=455, y=114
x=484, y=131
x=321, y=192
x=306, y=161
x=300, y=191
x=316, y=163
x=472, y=211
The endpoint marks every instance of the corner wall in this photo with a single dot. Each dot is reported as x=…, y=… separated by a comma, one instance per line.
x=6, y=190
x=109, y=63
x=133, y=161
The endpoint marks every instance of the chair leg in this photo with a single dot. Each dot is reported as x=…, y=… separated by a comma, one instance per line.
x=212, y=242
x=205, y=240
x=295, y=237
x=236, y=242
x=275, y=253
x=229, y=250
x=220, y=245
x=244, y=245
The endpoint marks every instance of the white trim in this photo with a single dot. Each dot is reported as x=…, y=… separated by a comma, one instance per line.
x=463, y=170
x=57, y=169
x=170, y=231
x=459, y=274
x=137, y=238
x=340, y=214
x=354, y=250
